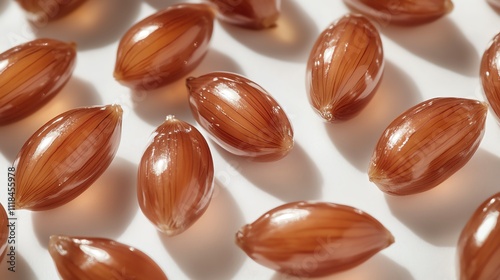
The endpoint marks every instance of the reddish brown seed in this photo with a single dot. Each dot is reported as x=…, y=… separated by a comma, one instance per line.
x=66, y=155
x=427, y=144
x=255, y=14
x=4, y=231
x=101, y=259
x=175, y=179
x=490, y=75
x=313, y=239
x=164, y=46
x=402, y=12
x=31, y=74
x=43, y=11
x=344, y=68
x=479, y=244
x=240, y=116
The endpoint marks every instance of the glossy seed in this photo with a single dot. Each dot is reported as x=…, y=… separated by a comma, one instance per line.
x=254, y=14
x=31, y=74
x=479, y=243
x=101, y=259
x=164, y=46
x=402, y=12
x=490, y=75
x=4, y=231
x=240, y=116
x=313, y=239
x=175, y=179
x=344, y=68
x=66, y=155
x=427, y=144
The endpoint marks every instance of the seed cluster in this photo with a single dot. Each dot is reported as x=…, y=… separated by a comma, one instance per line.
x=418, y=150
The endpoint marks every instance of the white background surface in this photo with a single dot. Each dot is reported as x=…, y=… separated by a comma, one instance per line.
x=328, y=163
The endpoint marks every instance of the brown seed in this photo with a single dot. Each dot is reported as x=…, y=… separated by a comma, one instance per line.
x=175, y=179
x=31, y=74
x=101, y=259
x=490, y=75
x=479, y=244
x=42, y=11
x=164, y=46
x=4, y=232
x=344, y=68
x=427, y=144
x=240, y=116
x=313, y=239
x=402, y=12
x=254, y=14
x=66, y=155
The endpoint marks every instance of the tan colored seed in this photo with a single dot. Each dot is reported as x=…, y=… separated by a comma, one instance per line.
x=66, y=155
x=31, y=74
x=427, y=144
x=101, y=259
x=175, y=178
x=402, y=12
x=240, y=116
x=344, y=68
x=313, y=239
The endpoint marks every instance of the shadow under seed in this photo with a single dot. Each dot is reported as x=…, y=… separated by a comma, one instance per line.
x=76, y=93
x=292, y=178
x=105, y=209
x=162, y=4
x=291, y=39
x=441, y=43
x=90, y=25
x=3, y=5
x=173, y=99
x=23, y=271
x=379, y=267
x=438, y=215
x=207, y=250
x=356, y=138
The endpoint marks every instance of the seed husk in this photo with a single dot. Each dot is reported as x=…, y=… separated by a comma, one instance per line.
x=66, y=155
x=100, y=259
x=164, y=46
x=427, y=144
x=253, y=14
x=313, y=238
x=4, y=231
x=175, y=178
x=402, y=12
x=345, y=67
x=240, y=116
x=31, y=74
x=479, y=243
x=490, y=75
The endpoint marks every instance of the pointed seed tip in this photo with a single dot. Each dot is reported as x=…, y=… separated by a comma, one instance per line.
x=448, y=6
x=189, y=81
x=326, y=114
x=118, y=75
x=116, y=108
x=19, y=205
x=239, y=239
x=390, y=238
x=53, y=239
